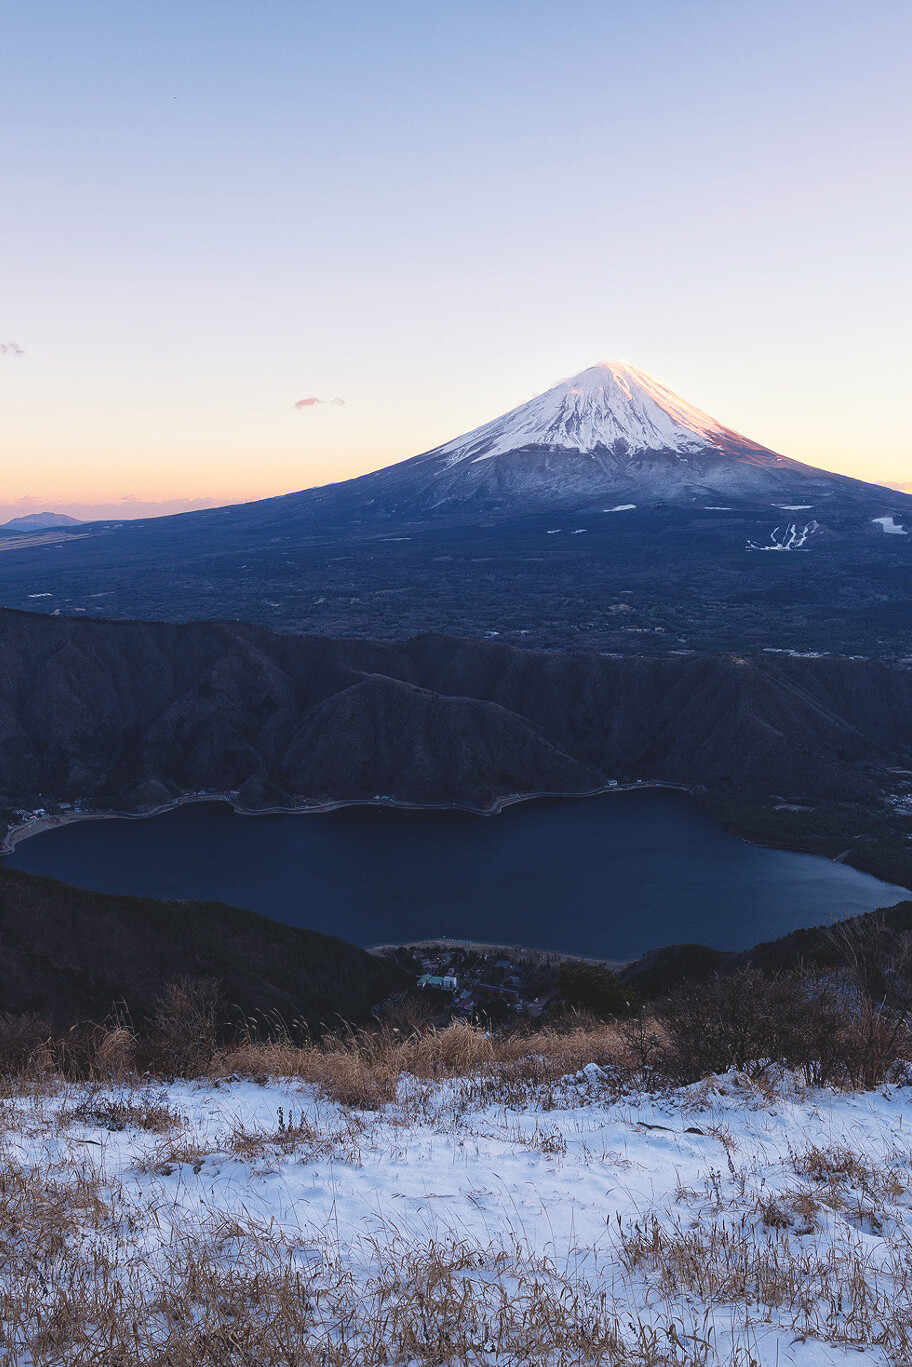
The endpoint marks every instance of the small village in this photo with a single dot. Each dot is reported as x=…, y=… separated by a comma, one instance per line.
x=486, y=984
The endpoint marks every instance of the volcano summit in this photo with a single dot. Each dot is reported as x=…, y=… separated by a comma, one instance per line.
x=610, y=432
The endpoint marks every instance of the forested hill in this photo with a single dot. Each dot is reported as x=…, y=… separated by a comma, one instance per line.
x=69, y=954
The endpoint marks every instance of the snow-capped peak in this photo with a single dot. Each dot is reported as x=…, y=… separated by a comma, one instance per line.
x=611, y=405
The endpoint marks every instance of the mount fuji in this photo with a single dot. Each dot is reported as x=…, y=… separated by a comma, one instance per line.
x=606, y=512
x=608, y=433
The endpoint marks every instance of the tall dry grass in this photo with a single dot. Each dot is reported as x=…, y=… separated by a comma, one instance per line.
x=93, y=1274
x=224, y=1291
x=363, y=1068
x=830, y=1028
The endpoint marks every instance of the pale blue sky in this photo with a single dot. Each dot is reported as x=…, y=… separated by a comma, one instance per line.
x=212, y=210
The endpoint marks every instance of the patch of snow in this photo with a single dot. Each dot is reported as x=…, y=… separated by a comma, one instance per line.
x=888, y=525
x=794, y=507
x=801, y=654
x=621, y=508
x=792, y=538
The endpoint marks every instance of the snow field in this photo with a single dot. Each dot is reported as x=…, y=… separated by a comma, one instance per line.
x=725, y=1223
x=608, y=402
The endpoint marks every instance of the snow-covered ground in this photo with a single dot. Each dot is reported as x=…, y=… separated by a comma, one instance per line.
x=726, y=1223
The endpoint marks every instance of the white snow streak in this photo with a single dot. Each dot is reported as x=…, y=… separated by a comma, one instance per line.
x=887, y=524
x=792, y=538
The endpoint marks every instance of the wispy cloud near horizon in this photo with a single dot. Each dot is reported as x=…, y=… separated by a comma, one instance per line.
x=313, y=402
x=11, y=349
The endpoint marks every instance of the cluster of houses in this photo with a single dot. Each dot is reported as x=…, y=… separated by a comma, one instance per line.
x=475, y=981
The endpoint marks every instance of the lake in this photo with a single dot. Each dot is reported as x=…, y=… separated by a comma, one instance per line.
x=608, y=876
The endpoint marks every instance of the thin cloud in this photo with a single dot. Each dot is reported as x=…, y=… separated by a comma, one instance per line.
x=11, y=349
x=338, y=403
x=312, y=402
x=307, y=403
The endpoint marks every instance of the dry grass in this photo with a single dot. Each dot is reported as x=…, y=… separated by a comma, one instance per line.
x=140, y=1111
x=127, y=1272
x=171, y=1152
x=300, y=1137
x=363, y=1069
x=836, y=1030
x=835, y=1292
x=231, y=1292
x=839, y=1165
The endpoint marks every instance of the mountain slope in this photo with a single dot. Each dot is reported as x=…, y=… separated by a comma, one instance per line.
x=606, y=495
x=38, y=521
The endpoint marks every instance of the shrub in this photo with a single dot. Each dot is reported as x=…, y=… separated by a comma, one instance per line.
x=826, y=1026
x=22, y=1038
x=742, y=1020
x=185, y=1029
x=592, y=988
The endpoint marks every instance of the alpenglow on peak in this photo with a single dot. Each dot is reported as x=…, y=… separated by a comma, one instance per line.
x=609, y=405
x=609, y=433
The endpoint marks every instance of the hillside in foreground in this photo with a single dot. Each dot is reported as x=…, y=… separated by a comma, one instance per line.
x=719, y=1178
x=69, y=955
x=733, y=1223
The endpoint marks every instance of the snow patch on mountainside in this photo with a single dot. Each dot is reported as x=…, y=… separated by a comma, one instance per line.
x=790, y=538
x=887, y=524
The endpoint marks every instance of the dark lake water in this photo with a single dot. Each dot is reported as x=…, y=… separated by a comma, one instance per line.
x=608, y=876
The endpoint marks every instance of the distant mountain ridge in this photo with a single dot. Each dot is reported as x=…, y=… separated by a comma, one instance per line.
x=134, y=715
x=37, y=521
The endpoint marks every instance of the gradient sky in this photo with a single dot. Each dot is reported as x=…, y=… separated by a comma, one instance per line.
x=212, y=209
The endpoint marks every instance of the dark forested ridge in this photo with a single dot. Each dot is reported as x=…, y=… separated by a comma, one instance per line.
x=132, y=715
x=70, y=954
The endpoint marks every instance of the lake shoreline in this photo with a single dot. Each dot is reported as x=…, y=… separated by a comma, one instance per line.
x=751, y=832
x=519, y=953
x=592, y=881
x=16, y=835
